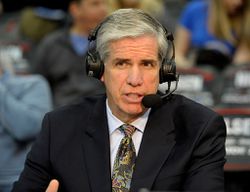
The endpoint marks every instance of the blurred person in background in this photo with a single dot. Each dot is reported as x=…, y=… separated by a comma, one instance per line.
x=210, y=30
x=60, y=56
x=242, y=55
x=239, y=180
x=155, y=8
x=23, y=102
x=15, y=5
x=24, y=23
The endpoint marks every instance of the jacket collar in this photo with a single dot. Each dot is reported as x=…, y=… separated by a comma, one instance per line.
x=96, y=148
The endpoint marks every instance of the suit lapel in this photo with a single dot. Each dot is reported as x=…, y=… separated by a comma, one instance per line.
x=158, y=140
x=96, y=149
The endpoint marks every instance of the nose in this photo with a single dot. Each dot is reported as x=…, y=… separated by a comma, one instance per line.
x=104, y=8
x=135, y=76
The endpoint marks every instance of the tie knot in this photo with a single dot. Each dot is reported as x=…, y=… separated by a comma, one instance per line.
x=127, y=129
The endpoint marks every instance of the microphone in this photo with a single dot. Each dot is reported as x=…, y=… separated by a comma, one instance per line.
x=154, y=100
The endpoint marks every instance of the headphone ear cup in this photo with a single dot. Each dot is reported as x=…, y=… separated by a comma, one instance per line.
x=168, y=71
x=94, y=65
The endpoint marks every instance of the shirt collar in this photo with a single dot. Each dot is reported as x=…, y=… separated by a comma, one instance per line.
x=114, y=122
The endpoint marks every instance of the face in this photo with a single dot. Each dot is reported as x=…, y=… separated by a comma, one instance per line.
x=131, y=71
x=129, y=3
x=233, y=7
x=88, y=13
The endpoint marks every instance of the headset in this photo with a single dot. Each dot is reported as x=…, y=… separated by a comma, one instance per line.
x=95, y=66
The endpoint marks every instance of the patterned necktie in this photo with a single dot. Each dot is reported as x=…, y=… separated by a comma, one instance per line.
x=125, y=161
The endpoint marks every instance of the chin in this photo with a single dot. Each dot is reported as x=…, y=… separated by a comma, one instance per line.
x=134, y=109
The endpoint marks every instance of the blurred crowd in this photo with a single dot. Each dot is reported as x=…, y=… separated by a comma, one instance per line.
x=43, y=45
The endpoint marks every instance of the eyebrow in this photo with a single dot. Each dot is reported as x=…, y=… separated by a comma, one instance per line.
x=149, y=60
x=121, y=59
x=128, y=60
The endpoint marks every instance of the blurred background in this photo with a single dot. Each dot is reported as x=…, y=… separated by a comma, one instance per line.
x=44, y=43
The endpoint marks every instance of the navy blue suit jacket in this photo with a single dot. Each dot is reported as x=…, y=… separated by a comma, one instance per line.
x=182, y=149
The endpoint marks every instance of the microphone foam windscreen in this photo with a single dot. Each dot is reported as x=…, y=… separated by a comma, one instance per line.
x=152, y=100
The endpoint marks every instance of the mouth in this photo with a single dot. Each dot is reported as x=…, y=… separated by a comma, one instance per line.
x=133, y=97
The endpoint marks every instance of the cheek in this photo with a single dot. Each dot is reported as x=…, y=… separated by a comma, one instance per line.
x=154, y=85
x=96, y=15
x=153, y=80
x=113, y=81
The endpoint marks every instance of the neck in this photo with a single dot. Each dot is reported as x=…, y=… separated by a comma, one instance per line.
x=78, y=31
x=128, y=118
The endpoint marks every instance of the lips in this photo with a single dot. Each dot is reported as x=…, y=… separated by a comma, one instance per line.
x=133, y=97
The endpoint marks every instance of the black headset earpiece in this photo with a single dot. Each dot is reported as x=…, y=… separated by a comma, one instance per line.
x=168, y=67
x=95, y=66
x=168, y=71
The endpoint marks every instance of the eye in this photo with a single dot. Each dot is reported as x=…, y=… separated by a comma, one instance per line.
x=121, y=63
x=149, y=64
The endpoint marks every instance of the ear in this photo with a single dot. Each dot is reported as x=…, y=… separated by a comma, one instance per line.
x=73, y=8
x=102, y=78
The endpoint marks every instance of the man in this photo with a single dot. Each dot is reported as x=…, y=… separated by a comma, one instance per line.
x=60, y=56
x=178, y=145
x=23, y=102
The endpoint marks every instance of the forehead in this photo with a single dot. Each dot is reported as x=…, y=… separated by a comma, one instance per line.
x=145, y=45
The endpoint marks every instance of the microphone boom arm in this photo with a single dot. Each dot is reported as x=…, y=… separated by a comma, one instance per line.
x=170, y=92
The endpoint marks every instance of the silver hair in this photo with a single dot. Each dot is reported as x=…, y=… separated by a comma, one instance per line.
x=129, y=23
